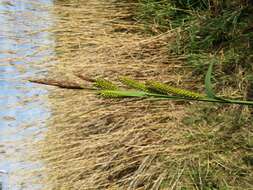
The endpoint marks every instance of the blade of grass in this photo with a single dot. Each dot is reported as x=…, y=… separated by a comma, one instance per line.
x=208, y=84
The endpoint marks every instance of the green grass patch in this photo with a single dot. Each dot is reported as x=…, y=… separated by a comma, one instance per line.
x=223, y=29
x=220, y=33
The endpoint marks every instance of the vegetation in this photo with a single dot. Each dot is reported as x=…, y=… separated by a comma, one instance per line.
x=162, y=91
x=144, y=144
x=207, y=32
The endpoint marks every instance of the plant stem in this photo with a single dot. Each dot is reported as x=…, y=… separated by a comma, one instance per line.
x=225, y=101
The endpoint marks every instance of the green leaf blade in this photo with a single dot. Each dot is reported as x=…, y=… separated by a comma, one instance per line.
x=208, y=85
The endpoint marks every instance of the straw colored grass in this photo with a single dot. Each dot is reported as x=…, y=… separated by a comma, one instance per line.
x=92, y=143
x=101, y=144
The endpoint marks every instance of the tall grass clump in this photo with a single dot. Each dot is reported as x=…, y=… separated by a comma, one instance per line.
x=221, y=33
x=207, y=31
x=204, y=27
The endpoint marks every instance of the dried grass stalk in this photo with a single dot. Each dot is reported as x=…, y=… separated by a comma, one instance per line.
x=59, y=83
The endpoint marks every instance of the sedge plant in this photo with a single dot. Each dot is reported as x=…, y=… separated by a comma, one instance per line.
x=160, y=91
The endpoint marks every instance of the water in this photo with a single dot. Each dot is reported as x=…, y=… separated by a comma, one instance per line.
x=25, y=48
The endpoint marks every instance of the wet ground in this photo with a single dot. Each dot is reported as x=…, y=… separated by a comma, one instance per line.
x=25, y=50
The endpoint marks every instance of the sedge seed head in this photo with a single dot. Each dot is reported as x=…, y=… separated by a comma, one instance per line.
x=105, y=84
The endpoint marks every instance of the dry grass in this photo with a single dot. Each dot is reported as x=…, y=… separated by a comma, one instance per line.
x=92, y=143
x=96, y=144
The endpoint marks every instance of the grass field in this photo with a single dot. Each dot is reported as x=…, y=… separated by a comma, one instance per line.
x=209, y=31
x=95, y=143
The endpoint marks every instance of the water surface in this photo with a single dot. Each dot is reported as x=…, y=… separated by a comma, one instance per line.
x=26, y=46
